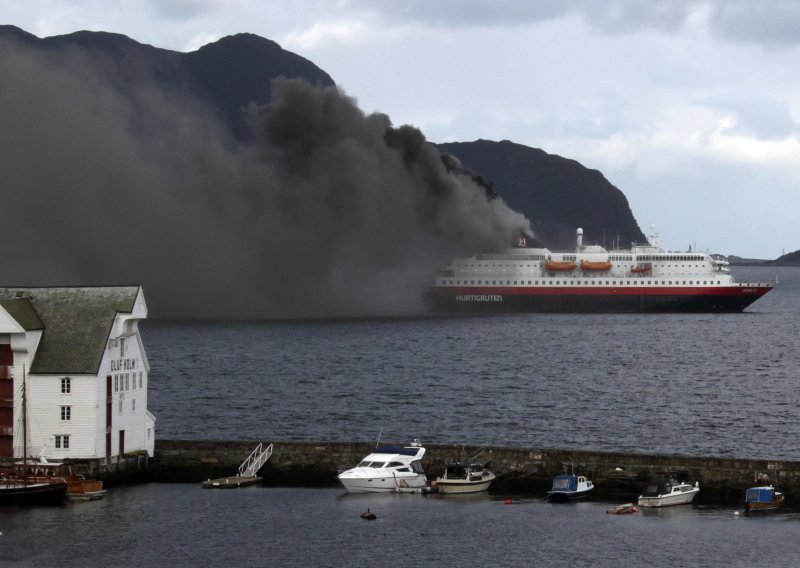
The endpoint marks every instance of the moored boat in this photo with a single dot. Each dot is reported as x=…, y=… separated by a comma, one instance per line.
x=569, y=486
x=387, y=468
x=81, y=489
x=464, y=477
x=644, y=278
x=27, y=483
x=668, y=491
x=762, y=498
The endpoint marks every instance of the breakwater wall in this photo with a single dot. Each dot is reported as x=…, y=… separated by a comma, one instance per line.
x=524, y=470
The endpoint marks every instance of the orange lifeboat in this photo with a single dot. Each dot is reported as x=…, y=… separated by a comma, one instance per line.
x=559, y=265
x=589, y=265
x=642, y=268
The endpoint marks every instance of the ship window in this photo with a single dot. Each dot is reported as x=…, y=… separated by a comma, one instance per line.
x=377, y=464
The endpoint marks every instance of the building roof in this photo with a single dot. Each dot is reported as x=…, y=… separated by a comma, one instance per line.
x=76, y=322
x=23, y=313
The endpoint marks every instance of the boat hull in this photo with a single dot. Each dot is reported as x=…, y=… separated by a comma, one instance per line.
x=563, y=496
x=369, y=482
x=610, y=299
x=17, y=493
x=668, y=500
x=463, y=486
x=773, y=506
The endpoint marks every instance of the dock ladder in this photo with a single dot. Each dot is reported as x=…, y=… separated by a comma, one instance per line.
x=255, y=460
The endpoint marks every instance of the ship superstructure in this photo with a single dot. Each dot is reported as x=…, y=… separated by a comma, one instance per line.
x=645, y=278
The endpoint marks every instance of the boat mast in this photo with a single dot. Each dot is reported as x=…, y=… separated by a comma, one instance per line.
x=24, y=429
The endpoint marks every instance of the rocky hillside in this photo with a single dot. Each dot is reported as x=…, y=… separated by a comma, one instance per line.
x=558, y=195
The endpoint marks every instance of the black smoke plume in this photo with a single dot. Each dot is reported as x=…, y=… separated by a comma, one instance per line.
x=328, y=213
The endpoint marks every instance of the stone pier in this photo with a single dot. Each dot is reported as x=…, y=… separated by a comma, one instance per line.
x=522, y=470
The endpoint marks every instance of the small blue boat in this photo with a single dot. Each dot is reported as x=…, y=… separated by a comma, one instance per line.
x=762, y=498
x=569, y=486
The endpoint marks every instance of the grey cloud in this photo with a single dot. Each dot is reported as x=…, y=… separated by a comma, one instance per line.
x=767, y=23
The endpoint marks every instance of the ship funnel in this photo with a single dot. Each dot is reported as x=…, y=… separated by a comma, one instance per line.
x=580, y=238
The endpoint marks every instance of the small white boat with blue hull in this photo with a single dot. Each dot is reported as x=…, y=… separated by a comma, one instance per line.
x=569, y=486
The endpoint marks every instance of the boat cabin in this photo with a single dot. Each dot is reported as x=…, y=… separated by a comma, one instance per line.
x=665, y=486
x=760, y=495
x=568, y=482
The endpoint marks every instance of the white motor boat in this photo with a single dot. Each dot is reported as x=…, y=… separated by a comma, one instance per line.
x=387, y=468
x=464, y=477
x=668, y=491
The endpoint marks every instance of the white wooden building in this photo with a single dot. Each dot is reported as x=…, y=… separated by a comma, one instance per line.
x=80, y=354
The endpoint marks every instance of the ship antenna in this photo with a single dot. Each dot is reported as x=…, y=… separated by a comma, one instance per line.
x=378, y=443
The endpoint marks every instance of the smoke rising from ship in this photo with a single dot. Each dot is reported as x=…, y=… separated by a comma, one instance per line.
x=329, y=212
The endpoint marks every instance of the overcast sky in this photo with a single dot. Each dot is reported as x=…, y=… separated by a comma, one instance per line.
x=691, y=108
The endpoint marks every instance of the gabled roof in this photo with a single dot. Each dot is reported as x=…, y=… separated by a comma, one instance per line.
x=76, y=322
x=23, y=313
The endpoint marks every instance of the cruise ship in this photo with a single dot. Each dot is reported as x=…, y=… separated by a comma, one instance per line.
x=646, y=278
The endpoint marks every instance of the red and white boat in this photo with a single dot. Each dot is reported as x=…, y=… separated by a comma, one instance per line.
x=645, y=278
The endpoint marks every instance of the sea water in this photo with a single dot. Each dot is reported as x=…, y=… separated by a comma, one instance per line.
x=700, y=384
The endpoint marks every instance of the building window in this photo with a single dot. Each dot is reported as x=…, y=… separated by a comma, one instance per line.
x=116, y=383
x=127, y=381
x=120, y=405
x=62, y=442
x=66, y=385
x=122, y=347
x=66, y=413
x=140, y=379
x=133, y=405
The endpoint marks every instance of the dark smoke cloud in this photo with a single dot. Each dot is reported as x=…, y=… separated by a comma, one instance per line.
x=330, y=212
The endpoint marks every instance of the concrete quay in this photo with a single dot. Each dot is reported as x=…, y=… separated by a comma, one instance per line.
x=519, y=470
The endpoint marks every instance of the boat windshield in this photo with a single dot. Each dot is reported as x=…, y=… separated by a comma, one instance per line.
x=367, y=463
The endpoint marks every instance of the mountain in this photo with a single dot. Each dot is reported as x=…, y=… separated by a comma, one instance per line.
x=228, y=75
x=557, y=194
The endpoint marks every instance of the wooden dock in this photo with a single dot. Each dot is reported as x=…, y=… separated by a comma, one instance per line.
x=230, y=482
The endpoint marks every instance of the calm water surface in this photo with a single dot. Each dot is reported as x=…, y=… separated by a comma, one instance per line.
x=184, y=525
x=700, y=384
